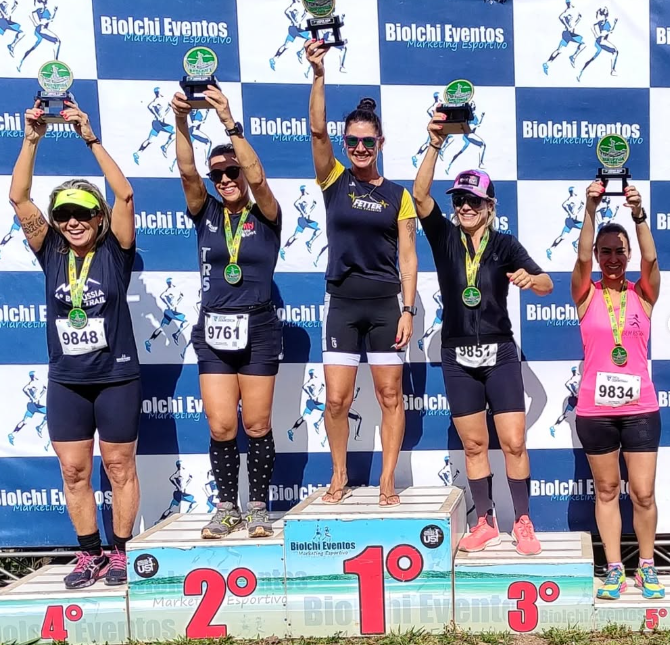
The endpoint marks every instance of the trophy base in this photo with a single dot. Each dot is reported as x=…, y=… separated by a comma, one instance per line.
x=619, y=176
x=327, y=29
x=458, y=118
x=53, y=103
x=194, y=88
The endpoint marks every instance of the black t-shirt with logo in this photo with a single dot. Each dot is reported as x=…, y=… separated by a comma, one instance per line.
x=259, y=248
x=105, y=296
x=489, y=322
x=362, y=223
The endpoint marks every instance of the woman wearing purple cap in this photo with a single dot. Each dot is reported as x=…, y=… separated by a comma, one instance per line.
x=87, y=250
x=480, y=360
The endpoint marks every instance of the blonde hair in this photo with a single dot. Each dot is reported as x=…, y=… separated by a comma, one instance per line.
x=105, y=210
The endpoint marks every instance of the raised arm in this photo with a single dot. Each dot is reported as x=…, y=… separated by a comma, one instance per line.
x=32, y=221
x=123, y=210
x=191, y=182
x=322, y=147
x=424, y=178
x=246, y=155
x=581, y=282
x=650, y=275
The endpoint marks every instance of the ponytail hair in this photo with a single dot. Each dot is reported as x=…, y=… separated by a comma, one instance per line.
x=365, y=113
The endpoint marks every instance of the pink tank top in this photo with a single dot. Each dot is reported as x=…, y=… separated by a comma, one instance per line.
x=606, y=389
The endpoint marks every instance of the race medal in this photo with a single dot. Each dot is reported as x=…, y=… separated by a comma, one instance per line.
x=619, y=356
x=472, y=296
x=232, y=273
x=78, y=318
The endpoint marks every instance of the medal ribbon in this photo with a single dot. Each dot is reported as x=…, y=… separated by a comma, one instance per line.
x=472, y=264
x=233, y=242
x=617, y=327
x=77, y=284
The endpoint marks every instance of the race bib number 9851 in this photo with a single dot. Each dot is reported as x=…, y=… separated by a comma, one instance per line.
x=477, y=355
x=614, y=390
x=75, y=342
x=227, y=332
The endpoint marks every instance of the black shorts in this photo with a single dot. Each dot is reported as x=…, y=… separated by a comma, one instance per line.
x=350, y=323
x=260, y=357
x=469, y=389
x=630, y=433
x=74, y=411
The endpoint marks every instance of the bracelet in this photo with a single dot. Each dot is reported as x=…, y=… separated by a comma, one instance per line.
x=639, y=220
x=92, y=141
x=438, y=148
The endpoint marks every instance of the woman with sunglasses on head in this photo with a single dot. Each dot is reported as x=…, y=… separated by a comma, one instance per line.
x=371, y=228
x=480, y=360
x=86, y=251
x=617, y=409
x=238, y=337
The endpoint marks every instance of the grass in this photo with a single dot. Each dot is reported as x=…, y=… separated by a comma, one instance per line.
x=610, y=635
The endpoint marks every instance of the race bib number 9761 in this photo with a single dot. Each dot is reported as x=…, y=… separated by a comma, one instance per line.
x=227, y=332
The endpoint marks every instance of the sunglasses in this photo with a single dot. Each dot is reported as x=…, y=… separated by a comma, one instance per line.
x=66, y=213
x=368, y=142
x=232, y=172
x=471, y=200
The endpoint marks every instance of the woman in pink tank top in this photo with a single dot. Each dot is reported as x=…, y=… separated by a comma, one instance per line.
x=617, y=409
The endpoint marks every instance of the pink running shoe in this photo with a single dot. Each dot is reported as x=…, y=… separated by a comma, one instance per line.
x=481, y=536
x=524, y=534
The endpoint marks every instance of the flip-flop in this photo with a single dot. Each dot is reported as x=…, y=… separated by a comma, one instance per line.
x=346, y=492
x=386, y=498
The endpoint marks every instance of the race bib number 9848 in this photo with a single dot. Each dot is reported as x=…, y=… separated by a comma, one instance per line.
x=75, y=342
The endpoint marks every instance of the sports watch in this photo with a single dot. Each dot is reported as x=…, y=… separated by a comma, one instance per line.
x=237, y=129
x=410, y=310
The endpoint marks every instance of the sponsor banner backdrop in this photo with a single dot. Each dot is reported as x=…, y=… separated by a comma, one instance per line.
x=540, y=106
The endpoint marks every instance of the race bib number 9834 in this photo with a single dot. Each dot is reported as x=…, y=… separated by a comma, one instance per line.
x=614, y=390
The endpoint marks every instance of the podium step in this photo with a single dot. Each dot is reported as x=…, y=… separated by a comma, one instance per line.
x=201, y=588
x=39, y=605
x=362, y=569
x=632, y=609
x=499, y=589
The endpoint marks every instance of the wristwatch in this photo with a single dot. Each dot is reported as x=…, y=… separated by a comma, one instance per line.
x=237, y=129
x=641, y=218
x=410, y=310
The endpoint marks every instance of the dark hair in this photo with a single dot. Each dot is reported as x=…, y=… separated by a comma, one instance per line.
x=611, y=228
x=365, y=113
x=221, y=149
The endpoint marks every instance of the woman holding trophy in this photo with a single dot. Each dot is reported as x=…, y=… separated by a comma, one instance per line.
x=86, y=250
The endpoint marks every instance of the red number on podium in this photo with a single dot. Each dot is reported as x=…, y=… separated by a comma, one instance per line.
x=368, y=567
x=652, y=617
x=211, y=585
x=525, y=617
x=53, y=626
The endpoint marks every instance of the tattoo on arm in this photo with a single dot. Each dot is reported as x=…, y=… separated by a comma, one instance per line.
x=251, y=165
x=411, y=229
x=34, y=225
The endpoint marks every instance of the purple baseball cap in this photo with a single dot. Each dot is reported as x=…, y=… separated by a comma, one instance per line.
x=475, y=182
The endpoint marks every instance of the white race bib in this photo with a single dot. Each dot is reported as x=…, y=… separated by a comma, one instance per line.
x=614, y=390
x=227, y=332
x=477, y=355
x=75, y=342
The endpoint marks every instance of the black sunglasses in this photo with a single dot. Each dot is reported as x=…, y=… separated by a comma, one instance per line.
x=471, y=200
x=66, y=213
x=232, y=172
x=368, y=142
